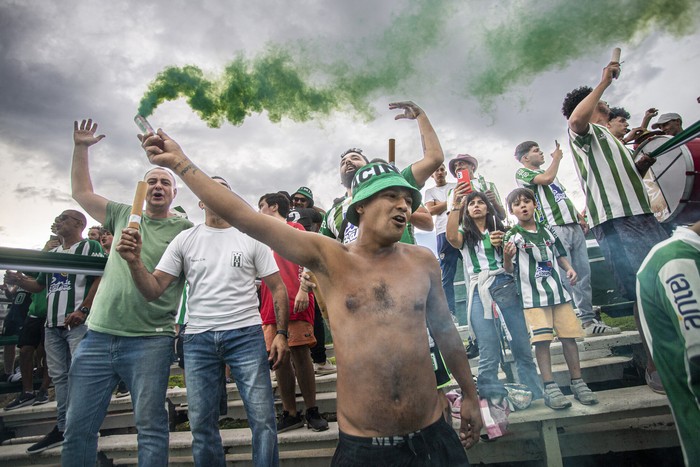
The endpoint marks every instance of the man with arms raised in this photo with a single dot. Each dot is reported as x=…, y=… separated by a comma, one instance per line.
x=379, y=293
x=335, y=225
x=128, y=338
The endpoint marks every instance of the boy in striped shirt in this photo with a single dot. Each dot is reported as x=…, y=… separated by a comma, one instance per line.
x=546, y=302
x=616, y=200
x=555, y=209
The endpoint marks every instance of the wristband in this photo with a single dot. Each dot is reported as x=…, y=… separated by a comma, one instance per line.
x=283, y=332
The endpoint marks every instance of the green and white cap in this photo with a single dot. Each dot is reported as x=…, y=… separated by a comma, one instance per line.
x=307, y=193
x=373, y=178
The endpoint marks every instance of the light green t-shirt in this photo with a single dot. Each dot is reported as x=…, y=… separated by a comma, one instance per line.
x=119, y=308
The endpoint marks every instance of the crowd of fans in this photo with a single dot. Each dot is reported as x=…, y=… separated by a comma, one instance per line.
x=526, y=283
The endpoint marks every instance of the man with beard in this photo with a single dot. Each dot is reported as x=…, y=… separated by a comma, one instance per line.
x=335, y=225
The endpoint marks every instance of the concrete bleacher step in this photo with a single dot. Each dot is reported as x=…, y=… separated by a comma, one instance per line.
x=599, y=361
x=625, y=419
x=326, y=402
x=324, y=383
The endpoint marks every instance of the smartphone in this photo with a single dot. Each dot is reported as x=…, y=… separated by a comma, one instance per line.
x=463, y=177
x=143, y=124
x=53, y=237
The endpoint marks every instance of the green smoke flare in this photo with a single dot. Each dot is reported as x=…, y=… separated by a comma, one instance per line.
x=271, y=82
x=278, y=81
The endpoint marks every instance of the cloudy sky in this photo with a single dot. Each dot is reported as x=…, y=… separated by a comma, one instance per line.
x=488, y=74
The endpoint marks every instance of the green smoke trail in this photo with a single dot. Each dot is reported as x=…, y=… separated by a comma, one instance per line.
x=307, y=80
x=540, y=36
x=278, y=80
x=272, y=82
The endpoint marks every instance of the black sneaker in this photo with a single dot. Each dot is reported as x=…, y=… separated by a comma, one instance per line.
x=288, y=422
x=53, y=439
x=42, y=397
x=314, y=421
x=122, y=390
x=23, y=400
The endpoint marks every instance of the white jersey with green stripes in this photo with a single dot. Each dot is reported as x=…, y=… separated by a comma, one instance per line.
x=482, y=256
x=608, y=176
x=554, y=207
x=668, y=294
x=537, y=273
x=66, y=292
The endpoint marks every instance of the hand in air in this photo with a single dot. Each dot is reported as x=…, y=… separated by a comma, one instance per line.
x=84, y=134
x=410, y=110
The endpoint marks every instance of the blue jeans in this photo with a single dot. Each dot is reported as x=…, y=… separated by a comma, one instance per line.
x=449, y=256
x=574, y=241
x=99, y=363
x=60, y=344
x=244, y=351
x=488, y=332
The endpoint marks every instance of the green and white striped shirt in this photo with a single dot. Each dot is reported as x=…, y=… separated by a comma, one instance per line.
x=65, y=292
x=537, y=273
x=668, y=294
x=608, y=176
x=483, y=256
x=553, y=206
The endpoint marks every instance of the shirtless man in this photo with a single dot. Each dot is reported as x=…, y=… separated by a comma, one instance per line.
x=380, y=293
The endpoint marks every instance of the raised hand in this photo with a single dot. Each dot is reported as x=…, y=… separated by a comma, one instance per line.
x=610, y=72
x=557, y=153
x=162, y=150
x=84, y=134
x=410, y=110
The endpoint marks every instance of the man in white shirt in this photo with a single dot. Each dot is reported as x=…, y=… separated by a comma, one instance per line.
x=220, y=265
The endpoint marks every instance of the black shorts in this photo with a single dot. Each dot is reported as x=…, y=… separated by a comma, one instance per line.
x=625, y=242
x=434, y=445
x=13, y=322
x=33, y=332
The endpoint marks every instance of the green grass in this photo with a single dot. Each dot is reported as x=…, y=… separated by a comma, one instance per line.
x=176, y=380
x=625, y=323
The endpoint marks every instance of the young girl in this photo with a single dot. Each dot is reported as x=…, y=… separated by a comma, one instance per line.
x=480, y=235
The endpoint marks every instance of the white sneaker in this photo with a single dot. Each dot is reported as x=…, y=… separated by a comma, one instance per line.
x=324, y=368
x=15, y=377
x=599, y=328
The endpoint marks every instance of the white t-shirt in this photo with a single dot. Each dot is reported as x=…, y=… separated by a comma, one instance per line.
x=220, y=267
x=439, y=194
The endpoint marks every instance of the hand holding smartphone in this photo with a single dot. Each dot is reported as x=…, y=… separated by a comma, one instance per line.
x=463, y=177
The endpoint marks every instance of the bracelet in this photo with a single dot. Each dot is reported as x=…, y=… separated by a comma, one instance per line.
x=283, y=332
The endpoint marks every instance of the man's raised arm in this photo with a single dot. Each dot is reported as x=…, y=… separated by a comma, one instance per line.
x=433, y=156
x=81, y=184
x=304, y=248
x=582, y=114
